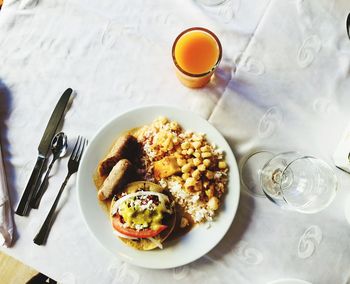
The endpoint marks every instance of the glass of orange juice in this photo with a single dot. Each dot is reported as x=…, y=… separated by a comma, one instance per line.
x=196, y=54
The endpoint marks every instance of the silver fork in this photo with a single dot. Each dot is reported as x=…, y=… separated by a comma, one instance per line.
x=73, y=165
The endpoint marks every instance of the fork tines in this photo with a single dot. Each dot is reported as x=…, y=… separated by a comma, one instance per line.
x=77, y=153
x=79, y=148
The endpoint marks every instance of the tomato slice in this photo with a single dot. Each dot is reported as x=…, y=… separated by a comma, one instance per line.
x=142, y=234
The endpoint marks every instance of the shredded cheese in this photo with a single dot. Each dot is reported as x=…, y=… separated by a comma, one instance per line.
x=162, y=198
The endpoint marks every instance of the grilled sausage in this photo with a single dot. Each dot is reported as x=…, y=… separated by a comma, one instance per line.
x=126, y=147
x=117, y=178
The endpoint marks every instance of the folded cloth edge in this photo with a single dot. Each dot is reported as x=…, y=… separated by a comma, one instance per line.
x=6, y=229
x=6, y=221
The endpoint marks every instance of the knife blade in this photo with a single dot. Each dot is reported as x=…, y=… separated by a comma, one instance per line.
x=23, y=207
x=348, y=25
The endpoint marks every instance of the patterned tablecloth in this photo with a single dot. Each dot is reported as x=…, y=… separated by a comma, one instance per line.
x=283, y=84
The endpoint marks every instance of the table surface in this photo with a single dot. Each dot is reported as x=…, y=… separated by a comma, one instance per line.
x=282, y=84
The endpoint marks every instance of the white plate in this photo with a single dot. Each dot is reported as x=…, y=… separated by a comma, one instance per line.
x=188, y=248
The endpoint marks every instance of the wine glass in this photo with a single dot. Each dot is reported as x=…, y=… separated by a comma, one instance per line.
x=290, y=180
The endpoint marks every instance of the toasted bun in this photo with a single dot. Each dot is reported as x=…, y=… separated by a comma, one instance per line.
x=145, y=244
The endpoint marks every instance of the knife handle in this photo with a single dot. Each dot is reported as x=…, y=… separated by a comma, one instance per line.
x=36, y=198
x=23, y=206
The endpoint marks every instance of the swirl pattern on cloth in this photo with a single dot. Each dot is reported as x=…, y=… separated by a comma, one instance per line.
x=247, y=254
x=249, y=64
x=306, y=53
x=228, y=10
x=181, y=272
x=309, y=241
x=269, y=122
x=324, y=105
x=123, y=273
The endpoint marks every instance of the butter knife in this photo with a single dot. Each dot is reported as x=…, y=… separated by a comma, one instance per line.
x=348, y=25
x=23, y=207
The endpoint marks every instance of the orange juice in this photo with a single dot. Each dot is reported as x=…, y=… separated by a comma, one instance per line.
x=196, y=54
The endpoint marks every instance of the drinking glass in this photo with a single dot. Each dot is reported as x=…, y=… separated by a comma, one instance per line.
x=195, y=46
x=290, y=180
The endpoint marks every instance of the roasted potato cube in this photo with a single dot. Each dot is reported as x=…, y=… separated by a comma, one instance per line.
x=166, y=167
x=222, y=165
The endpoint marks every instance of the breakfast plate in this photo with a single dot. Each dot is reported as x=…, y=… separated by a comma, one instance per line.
x=180, y=251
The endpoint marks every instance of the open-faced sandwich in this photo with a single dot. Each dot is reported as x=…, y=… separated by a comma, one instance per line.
x=143, y=215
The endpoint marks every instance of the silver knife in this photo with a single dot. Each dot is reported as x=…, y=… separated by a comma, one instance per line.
x=23, y=207
x=348, y=25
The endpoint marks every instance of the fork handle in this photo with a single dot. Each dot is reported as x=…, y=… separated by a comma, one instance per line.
x=41, y=237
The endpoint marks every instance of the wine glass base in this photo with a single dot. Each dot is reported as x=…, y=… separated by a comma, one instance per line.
x=250, y=172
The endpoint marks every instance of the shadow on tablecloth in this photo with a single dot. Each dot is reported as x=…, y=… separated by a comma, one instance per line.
x=220, y=81
x=239, y=226
x=229, y=244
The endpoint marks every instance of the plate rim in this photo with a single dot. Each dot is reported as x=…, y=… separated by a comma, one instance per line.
x=120, y=255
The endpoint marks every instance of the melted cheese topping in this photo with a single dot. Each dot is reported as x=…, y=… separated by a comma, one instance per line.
x=140, y=212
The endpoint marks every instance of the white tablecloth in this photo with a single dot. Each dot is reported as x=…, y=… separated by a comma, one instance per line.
x=282, y=85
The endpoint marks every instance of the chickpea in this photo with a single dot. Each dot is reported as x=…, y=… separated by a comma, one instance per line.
x=186, y=168
x=205, y=148
x=206, y=162
x=210, y=191
x=196, y=174
x=196, y=162
x=201, y=167
x=181, y=162
x=190, y=151
x=185, y=145
x=190, y=182
x=197, y=154
x=206, y=155
x=213, y=203
x=190, y=161
x=185, y=176
x=162, y=119
x=222, y=165
x=174, y=125
x=209, y=175
x=196, y=144
x=197, y=137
